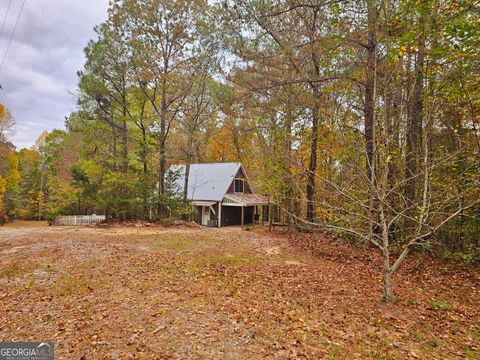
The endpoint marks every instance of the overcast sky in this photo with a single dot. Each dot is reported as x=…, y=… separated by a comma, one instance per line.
x=39, y=73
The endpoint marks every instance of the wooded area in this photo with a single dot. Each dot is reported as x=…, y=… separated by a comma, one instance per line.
x=359, y=119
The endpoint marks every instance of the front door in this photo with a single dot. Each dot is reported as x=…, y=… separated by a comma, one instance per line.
x=205, y=215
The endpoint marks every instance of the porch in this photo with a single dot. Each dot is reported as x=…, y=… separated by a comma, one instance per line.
x=234, y=209
x=249, y=208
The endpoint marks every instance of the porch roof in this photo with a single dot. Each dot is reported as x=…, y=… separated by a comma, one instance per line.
x=203, y=203
x=244, y=200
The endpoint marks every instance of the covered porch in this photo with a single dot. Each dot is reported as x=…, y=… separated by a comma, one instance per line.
x=249, y=208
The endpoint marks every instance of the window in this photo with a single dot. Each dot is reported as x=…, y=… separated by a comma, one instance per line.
x=238, y=185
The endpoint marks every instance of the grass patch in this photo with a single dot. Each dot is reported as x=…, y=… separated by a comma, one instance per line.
x=439, y=305
x=231, y=260
x=472, y=355
x=72, y=285
x=385, y=357
x=18, y=268
x=476, y=334
x=176, y=242
x=334, y=352
x=194, y=270
x=47, y=318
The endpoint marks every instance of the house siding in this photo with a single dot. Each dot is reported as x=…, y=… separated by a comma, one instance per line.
x=198, y=213
x=232, y=215
x=240, y=175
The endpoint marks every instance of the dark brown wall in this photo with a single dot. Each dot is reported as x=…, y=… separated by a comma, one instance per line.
x=232, y=215
x=240, y=175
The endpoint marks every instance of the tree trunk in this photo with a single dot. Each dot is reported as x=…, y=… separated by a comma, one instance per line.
x=414, y=134
x=187, y=167
x=162, y=140
x=114, y=145
x=125, y=144
x=387, y=284
x=369, y=112
x=144, y=150
x=385, y=247
x=286, y=155
x=393, y=133
x=124, y=130
x=393, y=109
x=369, y=107
x=312, y=168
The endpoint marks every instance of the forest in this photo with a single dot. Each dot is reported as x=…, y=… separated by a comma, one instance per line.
x=359, y=119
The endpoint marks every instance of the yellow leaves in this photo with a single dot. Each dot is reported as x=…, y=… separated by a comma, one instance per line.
x=2, y=111
x=13, y=180
x=3, y=190
x=405, y=48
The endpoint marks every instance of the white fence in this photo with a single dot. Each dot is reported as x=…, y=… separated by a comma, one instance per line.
x=79, y=219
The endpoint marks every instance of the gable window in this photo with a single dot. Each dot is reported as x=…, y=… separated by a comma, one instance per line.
x=239, y=185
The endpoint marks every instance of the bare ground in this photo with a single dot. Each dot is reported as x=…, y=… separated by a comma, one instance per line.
x=196, y=293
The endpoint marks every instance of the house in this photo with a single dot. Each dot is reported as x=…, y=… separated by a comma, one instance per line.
x=221, y=193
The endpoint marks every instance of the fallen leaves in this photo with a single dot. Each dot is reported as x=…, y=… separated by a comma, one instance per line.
x=204, y=293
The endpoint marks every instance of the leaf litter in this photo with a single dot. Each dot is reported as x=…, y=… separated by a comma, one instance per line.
x=194, y=293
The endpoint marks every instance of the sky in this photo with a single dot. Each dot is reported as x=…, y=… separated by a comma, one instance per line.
x=39, y=75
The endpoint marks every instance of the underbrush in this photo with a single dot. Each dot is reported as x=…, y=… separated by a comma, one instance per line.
x=467, y=258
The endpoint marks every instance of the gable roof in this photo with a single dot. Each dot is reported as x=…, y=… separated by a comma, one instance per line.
x=206, y=181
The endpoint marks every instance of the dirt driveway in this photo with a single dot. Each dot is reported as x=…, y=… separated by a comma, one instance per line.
x=197, y=293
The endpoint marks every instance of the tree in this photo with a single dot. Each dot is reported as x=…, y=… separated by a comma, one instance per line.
x=7, y=125
x=198, y=110
x=12, y=184
x=287, y=44
x=104, y=83
x=166, y=36
x=3, y=190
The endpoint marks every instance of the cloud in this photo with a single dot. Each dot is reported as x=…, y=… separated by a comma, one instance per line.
x=39, y=74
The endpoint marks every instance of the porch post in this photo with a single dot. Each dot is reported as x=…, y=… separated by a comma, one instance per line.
x=270, y=217
x=219, y=214
x=243, y=212
x=253, y=216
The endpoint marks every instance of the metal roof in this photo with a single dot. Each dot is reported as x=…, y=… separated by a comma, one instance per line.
x=206, y=181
